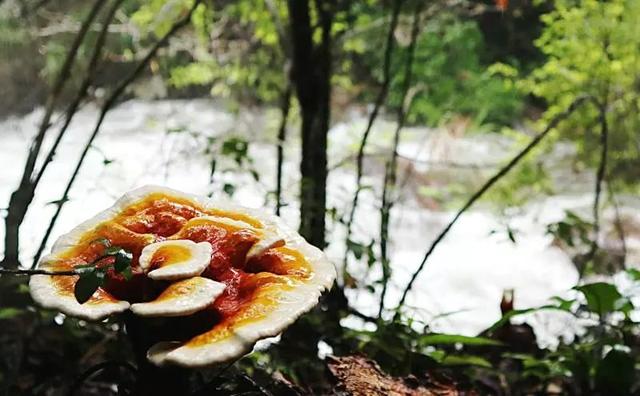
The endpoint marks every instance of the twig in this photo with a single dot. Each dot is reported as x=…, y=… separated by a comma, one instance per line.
x=257, y=386
x=390, y=178
x=111, y=100
x=602, y=169
x=488, y=184
x=382, y=94
x=23, y=196
x=95, y=369
x=29, y=272
x=618, y=222
x=282, y=136
x=82, y=92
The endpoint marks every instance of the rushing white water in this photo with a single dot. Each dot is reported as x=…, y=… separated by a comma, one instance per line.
x=163, y=142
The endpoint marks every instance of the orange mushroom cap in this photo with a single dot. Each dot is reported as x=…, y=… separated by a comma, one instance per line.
x=240, y=272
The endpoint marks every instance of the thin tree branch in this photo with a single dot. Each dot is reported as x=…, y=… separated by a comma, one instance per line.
x=77, y=384
x=390, y=178
x=285, y=104
x=618, y=222
x=73, y=107
x=29, y=272
x=488, y=184
x=382, y=94
x=59, y=84
x=282, y=136
x=23, y=196
x=600, y=174
x=82, y=92
x=111, y=100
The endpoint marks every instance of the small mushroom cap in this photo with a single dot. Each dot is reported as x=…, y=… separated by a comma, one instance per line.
x=268, y=238
x=214, y=347
x=271, y=239
x=181, y=298
x=177, y=259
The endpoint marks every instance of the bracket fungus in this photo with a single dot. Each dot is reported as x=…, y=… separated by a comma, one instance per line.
x=230, y=275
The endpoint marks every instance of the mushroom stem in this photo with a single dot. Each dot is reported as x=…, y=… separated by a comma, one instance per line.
x=151, y=379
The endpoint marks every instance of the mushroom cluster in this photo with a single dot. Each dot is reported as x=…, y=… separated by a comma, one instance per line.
x=230, y=275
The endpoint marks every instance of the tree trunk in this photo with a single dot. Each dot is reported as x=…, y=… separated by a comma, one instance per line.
x=311, y=76
x=18, y=204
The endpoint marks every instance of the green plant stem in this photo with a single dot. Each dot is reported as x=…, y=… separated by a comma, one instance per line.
x=29, y=272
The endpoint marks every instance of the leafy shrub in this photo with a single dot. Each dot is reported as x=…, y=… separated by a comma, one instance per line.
x=592, y=48
x=451, y=78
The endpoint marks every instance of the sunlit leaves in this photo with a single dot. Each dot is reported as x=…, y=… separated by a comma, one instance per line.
x=604, y=298
x=591, y=48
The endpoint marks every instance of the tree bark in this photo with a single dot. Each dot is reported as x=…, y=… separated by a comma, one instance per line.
x=311, y=77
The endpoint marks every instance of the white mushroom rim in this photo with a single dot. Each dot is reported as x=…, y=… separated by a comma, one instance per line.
x=173, y=260
x=234, y=275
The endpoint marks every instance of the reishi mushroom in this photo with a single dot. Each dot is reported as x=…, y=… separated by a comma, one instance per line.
x=231, y=275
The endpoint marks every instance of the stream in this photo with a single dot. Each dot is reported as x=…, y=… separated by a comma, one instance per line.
x=164, y=143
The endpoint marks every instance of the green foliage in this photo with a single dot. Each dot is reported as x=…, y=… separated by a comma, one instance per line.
x=591, y=48
x=601, y=360
x=451, y=79
x=252, y=66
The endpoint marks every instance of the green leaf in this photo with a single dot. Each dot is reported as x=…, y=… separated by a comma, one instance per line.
x=466, y=360
x=87, y=284
x=236, y=148
x=356, y=248
x=615, y=373
x=448, y=339
x=8, y=313
x=126, y=273
x=112, y=250
x=511, y=235
x=58, y=201
x=123, y=260
x=633, y=274
x=229, y=189
x=602, y=298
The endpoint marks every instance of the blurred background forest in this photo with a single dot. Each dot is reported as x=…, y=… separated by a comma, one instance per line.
x=471, y=168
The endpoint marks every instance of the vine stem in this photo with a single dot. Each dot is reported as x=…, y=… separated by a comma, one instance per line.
x=578, y=102
x=29, y=272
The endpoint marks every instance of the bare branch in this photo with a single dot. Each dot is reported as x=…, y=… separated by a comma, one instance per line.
x=390, y=179
x=618, y=222
x=382, y=94
x=282, y=135
x=82, y=92
x=488, y=184
x=29, y=272
x=23, y=196
x=600, y=174
x=110, y=101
